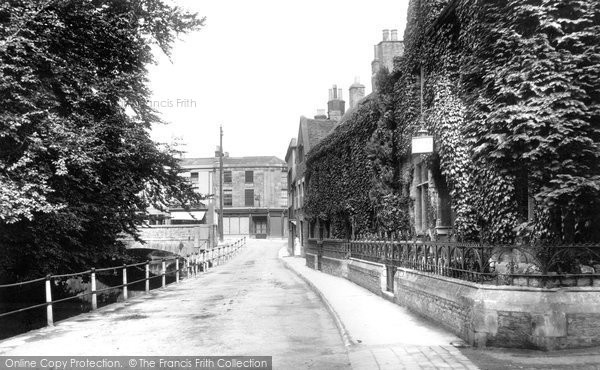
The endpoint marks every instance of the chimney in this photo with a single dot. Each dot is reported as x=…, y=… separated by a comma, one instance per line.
x=336, y=107
x=386, y=35
x=321, y=114
x=394, y=35
x=357, y=92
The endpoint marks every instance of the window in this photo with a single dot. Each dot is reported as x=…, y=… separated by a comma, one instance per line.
x=284, y=198
x=194, y=177
x=249, y=177
x=421, y=197
x=227, y=197
x=227, y=177
x=249, y=197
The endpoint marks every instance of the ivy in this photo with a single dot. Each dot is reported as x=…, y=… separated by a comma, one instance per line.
x=339, y=174
x=512, y=97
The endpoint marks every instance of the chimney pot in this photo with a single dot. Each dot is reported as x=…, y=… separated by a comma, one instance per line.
x=386, y=35
x=394, y=35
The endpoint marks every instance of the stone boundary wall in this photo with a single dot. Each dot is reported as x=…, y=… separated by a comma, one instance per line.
x=179, y=239
x=311, y=260
x=485, y=315
x=504, y=316
x=368, y=275
x=334, y=266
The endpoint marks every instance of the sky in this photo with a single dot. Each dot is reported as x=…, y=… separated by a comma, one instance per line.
x=257, y=66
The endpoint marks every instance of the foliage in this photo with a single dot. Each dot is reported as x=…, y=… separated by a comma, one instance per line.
x=339, y=173
x=533, y=81
x=389, y=193
x=512, y=99
x=77, y=165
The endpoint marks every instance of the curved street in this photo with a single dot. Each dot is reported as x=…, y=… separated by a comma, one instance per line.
x=251, y=305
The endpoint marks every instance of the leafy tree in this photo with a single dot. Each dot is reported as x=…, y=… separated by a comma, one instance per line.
x=77, y=165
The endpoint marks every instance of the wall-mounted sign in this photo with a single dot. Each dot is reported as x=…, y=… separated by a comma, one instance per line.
x=422, y=144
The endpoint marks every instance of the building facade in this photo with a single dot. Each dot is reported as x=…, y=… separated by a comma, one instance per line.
x=254, y=193
x=310, y=132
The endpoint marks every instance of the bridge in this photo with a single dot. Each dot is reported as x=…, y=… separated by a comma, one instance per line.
x=257, y=301
x=178, y=239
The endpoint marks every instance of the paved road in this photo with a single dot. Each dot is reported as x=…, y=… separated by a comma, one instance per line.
x=250, y=306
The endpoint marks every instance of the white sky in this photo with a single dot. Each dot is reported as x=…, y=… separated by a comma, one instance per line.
x=257, y=66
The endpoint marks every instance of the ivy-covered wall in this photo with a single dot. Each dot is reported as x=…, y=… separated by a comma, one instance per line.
x=339, y=174
x=512, y=97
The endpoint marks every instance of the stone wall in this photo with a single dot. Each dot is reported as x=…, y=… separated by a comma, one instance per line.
x=180, y=239
x=366, y=274
x=504, y=316
x=334, y=266
x=311, y=260
x=485, y=315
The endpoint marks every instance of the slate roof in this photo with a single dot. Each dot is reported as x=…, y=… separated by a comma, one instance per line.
x=313, y=130
x=252, y=161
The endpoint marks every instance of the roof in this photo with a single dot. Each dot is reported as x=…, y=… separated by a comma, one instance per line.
x=291, y=148
x=253, y=161
x=313, y=130
x=199, y=162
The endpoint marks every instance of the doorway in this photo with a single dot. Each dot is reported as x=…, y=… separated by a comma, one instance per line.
x=260, y=227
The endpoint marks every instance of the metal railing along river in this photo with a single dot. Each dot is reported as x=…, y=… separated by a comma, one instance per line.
x=176, y=267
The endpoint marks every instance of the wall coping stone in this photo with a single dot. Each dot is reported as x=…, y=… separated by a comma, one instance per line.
x=582, y=289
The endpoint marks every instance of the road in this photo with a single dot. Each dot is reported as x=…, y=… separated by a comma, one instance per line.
x=251, y=305
x=254, y=306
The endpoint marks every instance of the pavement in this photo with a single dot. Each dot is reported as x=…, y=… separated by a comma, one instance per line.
x=379, y=334
x=382, y=335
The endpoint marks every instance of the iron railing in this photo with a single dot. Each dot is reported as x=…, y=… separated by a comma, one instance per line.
x=540, y=265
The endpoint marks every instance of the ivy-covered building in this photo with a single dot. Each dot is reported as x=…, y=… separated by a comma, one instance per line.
x=509, y=92
x=310, y=132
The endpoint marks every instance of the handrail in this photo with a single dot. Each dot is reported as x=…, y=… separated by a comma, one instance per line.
x=22, y=283
x=218, y=254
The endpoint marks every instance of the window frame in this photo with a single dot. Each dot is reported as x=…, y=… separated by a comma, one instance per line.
x=227, y=195
x=251, y=172
x=246, y=192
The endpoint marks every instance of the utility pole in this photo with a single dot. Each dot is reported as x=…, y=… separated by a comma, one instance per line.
x=221, y=184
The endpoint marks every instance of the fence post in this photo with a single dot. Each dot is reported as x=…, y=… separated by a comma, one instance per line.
x=49, y=315
x=147, y=276
x=93, y=281
x=124, y=281
x=177, y=269
x=164, y=273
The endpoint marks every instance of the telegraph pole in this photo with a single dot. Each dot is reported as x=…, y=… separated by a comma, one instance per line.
x=221, y=184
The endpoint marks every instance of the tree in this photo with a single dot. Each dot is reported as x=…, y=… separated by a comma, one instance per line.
x=77, y=165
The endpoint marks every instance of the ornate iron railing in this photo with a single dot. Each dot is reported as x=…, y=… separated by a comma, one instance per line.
x=540, y=265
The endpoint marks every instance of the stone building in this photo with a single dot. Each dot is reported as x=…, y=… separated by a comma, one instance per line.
x=254, y=193
x=310, y=132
